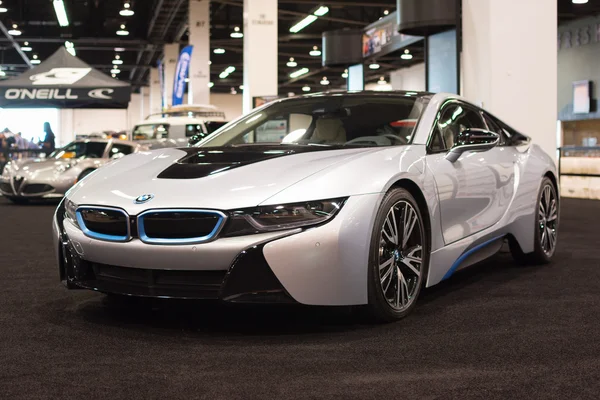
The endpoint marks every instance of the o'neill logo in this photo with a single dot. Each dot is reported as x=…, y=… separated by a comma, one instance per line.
x=60, y=76
x=100, y=93
x=41, y=94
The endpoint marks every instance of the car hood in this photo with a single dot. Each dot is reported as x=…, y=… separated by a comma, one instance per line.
x=33, y=168
x=216, y=178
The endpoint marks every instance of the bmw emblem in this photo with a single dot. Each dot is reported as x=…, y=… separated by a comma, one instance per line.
x=143, y=198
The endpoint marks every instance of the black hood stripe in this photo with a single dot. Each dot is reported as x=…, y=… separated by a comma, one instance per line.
x=201, y=162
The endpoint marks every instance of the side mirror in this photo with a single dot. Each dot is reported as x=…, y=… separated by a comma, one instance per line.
x=472, y=139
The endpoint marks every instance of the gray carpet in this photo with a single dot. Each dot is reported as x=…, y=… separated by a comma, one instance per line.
x=496, y=331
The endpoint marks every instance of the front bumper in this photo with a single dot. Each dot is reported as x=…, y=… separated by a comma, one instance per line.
x=324, y=265
x=34, y=188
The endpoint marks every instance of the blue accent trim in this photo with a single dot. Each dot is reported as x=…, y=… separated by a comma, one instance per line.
x=101, y=236
x=144, y=238
x=466, y=254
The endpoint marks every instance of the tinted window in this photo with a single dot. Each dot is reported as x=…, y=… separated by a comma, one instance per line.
x=150, y=131
x=81, y=150
x=193, y=129
x=327, y=120
x=119, y=148
x=454, y=119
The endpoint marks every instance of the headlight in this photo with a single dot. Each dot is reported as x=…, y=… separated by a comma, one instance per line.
x=280, y=217
x=70, y=211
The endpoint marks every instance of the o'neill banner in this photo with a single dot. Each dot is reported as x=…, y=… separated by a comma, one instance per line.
x=181, y=74
x=64, y=81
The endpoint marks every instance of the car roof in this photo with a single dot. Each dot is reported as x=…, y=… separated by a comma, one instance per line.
x=105, y=141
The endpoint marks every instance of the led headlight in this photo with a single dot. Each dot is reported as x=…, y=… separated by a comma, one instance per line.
x=70, y=211
x=281, y=217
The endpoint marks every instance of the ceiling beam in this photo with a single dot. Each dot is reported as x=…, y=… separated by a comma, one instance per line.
x=15, y=45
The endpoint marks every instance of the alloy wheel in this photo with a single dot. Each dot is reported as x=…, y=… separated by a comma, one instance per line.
x=548, y=219
x=401, y=255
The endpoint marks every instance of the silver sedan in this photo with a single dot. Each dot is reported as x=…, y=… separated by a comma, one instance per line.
x=51, y=177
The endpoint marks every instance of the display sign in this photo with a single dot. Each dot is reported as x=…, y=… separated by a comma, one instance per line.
x=581, y=97
x=181, y=75
x=161, y=81
x=382, y=37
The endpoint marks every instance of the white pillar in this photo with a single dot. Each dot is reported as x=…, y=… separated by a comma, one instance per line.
x=260, y=50
x=199, y=28
x=155, y=94
x=411, y=78
x=171, y=55
x=509, y=63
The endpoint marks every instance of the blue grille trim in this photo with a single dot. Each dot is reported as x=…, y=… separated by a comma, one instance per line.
x=201, y=239
x=102, y=236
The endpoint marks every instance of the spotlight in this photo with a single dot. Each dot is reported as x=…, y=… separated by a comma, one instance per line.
x=14, y=31
x=122, y=31
x=126, y=11
x=236, y=34
x=406, y=55
x=292, y=63
x=315, y=52
x=219, y=51
x=324, y=81
x=26, y=47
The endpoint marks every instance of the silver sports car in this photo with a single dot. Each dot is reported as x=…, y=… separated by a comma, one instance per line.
x=330, y=199
x=47, y=178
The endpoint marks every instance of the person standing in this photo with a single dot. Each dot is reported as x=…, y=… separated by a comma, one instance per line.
x=48, y=143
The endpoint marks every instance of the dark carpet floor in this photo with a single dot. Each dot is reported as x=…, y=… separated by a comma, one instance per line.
x=496, y=331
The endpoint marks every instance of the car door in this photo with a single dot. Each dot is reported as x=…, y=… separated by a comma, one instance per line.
x=475, y=190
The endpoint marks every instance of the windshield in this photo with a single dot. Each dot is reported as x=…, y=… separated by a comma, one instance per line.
x=326, y=120
x=80, y=150
x=150, y=131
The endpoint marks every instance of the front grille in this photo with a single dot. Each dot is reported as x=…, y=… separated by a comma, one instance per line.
x=104, y=223
x=36, y=188
x=5, y=187
x=179, y=226
x=17, y=182
x=169, y=283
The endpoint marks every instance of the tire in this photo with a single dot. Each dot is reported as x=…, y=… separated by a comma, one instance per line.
x=84, y=174
x=403, y=258
x=545, y=228
x=18, y=200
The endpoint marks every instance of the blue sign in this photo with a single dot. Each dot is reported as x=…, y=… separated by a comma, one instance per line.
x=181, y=74
x=161, y=82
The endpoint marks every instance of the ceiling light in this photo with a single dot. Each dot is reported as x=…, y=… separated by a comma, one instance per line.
x=186, y=80
x=122, y=31
x=406, y=55
x=115, y=70
x=35, y=61
x=386, y=12
x=226, y=72
x=315, y=52
x=61, y=12
x=292, y=63
x=306, y=88
x=14, y=31
x=35, y=56
x=211, y=84
x=70, y=48
x=345, y=74
x=119, y=49
x=26, y=47
x=236, y=34
x=113, y=75
x=233, y=91
x=309, y=19
x=580, y=1
x=298, y=73
x=219, y=51
x=241, y=87
x=117, y=62
x=126, y=11
x=3, y=10
x=209, y=62
x=374, y=66
x=381, y=81
x=324, y=81
x=321, y=11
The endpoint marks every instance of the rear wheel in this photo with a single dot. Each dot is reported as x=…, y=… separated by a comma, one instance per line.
x=546, y=228
x=399, y=257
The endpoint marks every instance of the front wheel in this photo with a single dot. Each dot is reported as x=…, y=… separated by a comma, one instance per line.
x=546, y=228
x=399, y=256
